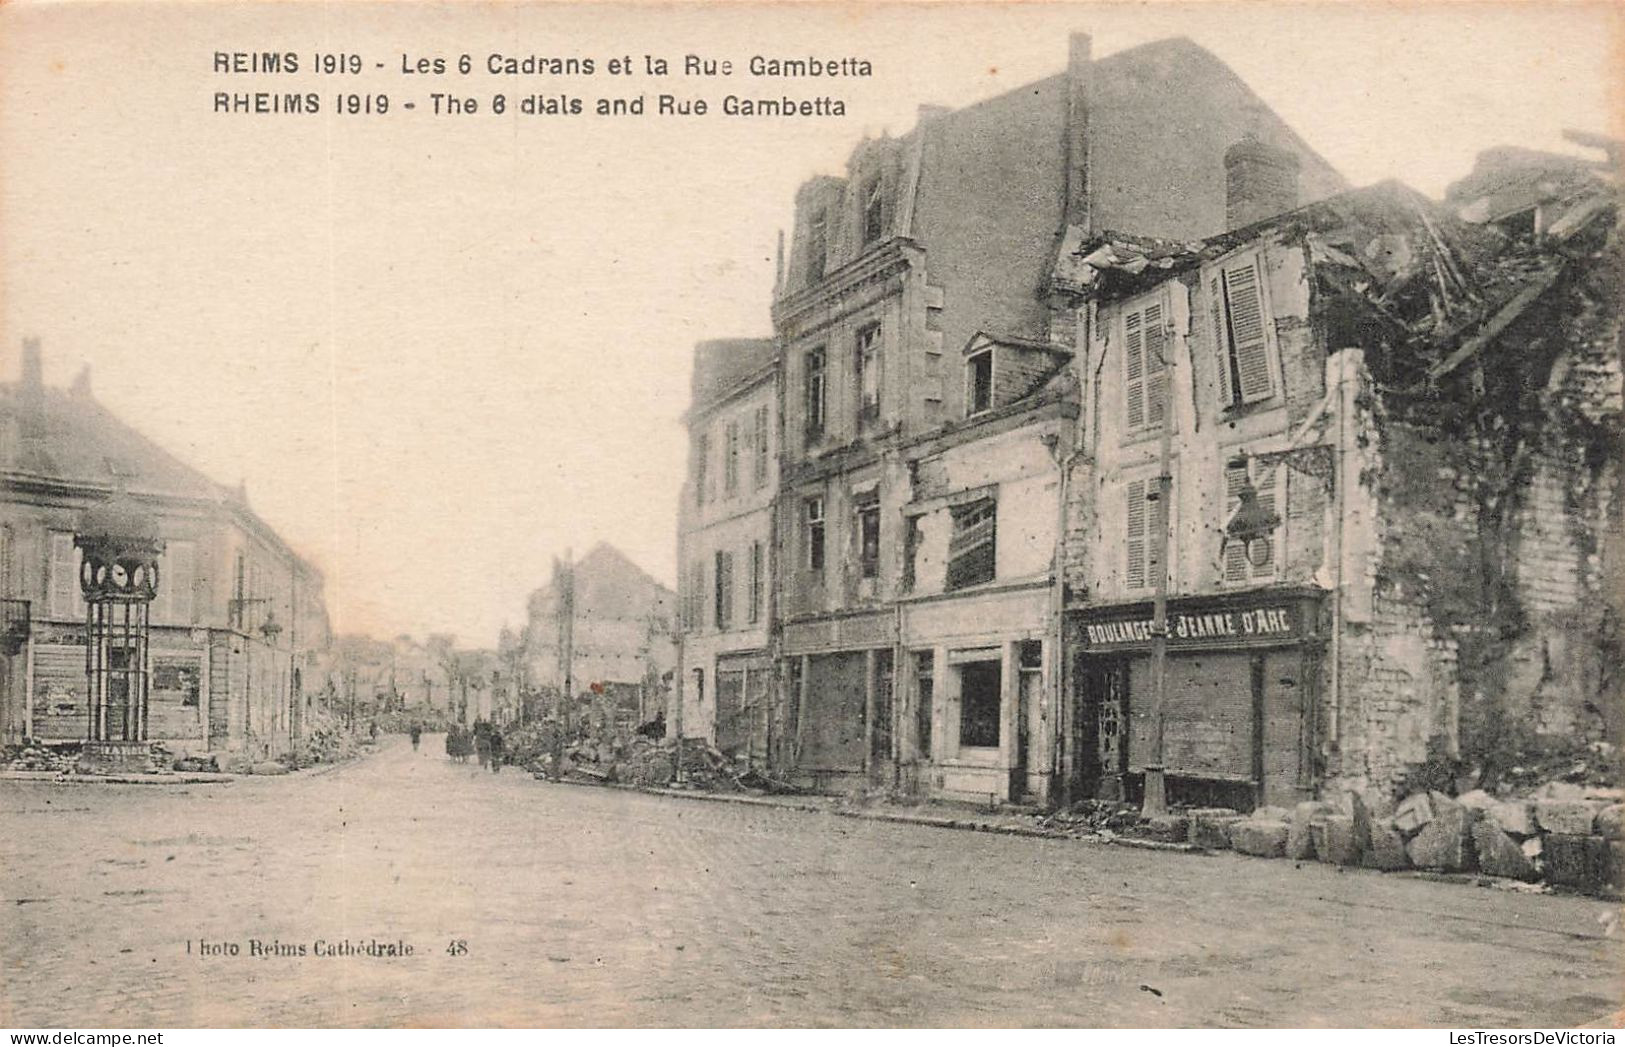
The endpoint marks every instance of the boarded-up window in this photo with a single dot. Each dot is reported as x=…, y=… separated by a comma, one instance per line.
x=1240, y=562
x=1240, y=326
x=67, y=601
x=1145, y=367
x=972, y=547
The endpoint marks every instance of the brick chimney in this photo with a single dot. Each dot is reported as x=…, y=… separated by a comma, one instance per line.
x=1260, y=181
x=1077, y=130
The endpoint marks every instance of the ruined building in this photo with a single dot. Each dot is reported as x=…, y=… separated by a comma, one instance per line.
x=983, y=332
x=1429, y=408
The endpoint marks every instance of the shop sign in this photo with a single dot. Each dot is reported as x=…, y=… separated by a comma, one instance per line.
x=1270, y=624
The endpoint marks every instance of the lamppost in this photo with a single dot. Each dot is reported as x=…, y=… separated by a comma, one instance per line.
x=118, y=577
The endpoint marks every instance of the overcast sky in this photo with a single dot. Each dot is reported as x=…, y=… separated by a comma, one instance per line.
x=442, y=350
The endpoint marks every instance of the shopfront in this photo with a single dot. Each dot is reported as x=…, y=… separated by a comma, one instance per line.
x=1242, y=685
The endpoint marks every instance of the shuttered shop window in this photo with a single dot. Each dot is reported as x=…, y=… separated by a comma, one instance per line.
x=1240, y=325
x=1145, y=369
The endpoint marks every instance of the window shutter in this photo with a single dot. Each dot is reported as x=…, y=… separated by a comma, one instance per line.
x=1266, y=500
x=1134, y=371
x=1244, y=300
x=1156, y=371
x=1235, y=553
x=1221, y=343
x=1136, y=534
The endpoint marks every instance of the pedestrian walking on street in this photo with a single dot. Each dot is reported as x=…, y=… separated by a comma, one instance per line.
x=482, y=744
x=417, y=735
x=496, y=744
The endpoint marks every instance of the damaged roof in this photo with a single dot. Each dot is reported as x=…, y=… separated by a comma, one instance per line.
x=1394, y=270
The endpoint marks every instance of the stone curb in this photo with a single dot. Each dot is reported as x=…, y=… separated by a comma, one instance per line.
x=934, y=821
x=59, y=778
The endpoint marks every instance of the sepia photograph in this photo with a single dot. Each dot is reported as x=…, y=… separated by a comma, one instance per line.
x=728, y=515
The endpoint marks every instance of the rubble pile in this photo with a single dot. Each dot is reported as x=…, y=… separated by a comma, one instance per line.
x=1565, y=833
x=325, y=740
x=40, y=758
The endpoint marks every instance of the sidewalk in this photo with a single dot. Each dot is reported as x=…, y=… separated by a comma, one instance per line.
x=936, y=816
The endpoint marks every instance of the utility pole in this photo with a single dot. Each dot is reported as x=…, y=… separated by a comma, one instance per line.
x=567, y=615
x=1156, y=795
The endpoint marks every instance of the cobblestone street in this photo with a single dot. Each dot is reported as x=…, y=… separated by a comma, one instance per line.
x=583, y=906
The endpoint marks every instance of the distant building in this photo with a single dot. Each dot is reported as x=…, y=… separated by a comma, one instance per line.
x=239, y=617
x=725, y=548
x=623, y=632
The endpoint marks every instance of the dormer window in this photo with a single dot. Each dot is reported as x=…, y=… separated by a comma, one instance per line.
x=873, y=215
x=813, y=365
x=979, y=383
x=817, y=245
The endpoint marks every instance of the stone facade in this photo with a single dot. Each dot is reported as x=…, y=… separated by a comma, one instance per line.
x=238, y=627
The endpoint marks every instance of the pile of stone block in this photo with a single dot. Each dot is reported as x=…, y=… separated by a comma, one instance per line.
x=1568, y=835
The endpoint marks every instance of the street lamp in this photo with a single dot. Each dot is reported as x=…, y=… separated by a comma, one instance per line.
x=1251, y=524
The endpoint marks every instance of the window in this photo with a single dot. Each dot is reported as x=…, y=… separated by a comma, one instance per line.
x=173, y=604
x=756, y=576
x=813, y=510
x=1141, y=514
x=694, y=598
x=873, y=214
x=980, y=684
x=971, y=547
x=868, y=368
x=1145, y=369
x=1236, y=301
x=730, y=459
x=702, y=455
x=1238, y=567
x=760, y=448
x=817, y=245
x=979, y=383
x=925, y=692
x=868, y=511
x=67, y=600
x=814, y=377
x=724, y=582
